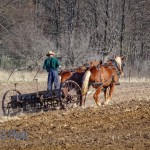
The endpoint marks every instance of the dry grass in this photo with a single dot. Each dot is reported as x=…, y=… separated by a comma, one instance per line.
x=25, y=76
x=134, y=79
x=21, y=76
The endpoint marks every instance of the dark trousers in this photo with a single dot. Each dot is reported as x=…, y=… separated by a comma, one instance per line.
x=53, y=78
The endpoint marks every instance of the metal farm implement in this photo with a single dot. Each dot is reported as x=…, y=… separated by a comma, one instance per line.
x=68, y=96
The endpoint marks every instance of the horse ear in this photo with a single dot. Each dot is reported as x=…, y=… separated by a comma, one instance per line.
x=98, y=66
x=114, y=56
x=100, y=62
x=123, y=57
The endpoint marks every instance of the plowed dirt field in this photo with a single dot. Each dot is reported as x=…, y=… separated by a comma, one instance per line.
x=123, y=125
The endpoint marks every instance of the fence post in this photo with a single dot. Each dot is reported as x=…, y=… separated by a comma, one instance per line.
x=129, y=75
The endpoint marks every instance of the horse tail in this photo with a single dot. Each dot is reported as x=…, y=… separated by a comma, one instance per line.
x=85, y=82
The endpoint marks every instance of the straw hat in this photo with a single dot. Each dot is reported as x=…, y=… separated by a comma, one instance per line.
x=50, y=53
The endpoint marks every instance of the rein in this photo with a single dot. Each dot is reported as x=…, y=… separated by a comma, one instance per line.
x=100, y=83
x=73, y=70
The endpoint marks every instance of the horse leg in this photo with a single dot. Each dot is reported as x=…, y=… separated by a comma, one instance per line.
x=106, y=91
x=95, y=96
x=83, y=101
x=110, y=94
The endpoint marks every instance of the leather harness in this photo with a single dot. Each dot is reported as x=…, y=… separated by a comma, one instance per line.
x=114, y=65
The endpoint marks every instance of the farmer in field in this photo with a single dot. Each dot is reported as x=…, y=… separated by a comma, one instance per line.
x=51, y=65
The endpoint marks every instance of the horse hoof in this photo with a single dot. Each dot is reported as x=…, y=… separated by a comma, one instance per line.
x=106, y=102
x=98, y=104
x=95, y=106
x=74, y=106
x=83, y=107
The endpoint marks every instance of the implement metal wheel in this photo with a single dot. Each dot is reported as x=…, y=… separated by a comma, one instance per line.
x=70, y=94
x=8, y=105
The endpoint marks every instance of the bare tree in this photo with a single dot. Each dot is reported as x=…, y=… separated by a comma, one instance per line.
x=76, y=29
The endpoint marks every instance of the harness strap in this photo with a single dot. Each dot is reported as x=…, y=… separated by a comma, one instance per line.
x=117, y=68
x=113, y=66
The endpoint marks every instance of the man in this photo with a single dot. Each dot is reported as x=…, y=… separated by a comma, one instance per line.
x=51, y=65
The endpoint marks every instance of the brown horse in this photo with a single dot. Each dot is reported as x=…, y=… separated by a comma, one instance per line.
x=103, y=77
x=77, y=73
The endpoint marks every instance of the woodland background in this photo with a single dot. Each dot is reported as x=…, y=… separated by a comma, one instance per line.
x=77, y=30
